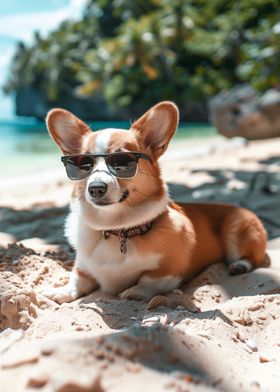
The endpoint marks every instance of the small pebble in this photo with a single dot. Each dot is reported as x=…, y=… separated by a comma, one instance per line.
x=48, y=349
x=255, y=384
x=133, y=367
x=177, y=291
x=205, y=335
x=240, y=336
x=246, y=348
x=153, y=319
x=158, y=300
x=265, y=358
x=252, y=345
x=173, y=323
x=188, y=378
x=255, y=307
x=38, y=381
x=216, y=293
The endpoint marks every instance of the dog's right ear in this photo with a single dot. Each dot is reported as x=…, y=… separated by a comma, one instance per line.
x=156, y=127
x=67, y=130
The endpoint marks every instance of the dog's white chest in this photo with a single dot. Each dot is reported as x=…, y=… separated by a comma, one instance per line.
x=113, y=270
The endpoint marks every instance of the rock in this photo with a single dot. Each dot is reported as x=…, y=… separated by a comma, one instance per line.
x=265, y=358
x=252, y=345
x=18, y=309
x=242, y=111
x=151, y=320
x=177, y=291
x=37, y=381
x=256, y=306
x=158, y=300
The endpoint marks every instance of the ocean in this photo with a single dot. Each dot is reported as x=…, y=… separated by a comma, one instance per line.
x=26, y=147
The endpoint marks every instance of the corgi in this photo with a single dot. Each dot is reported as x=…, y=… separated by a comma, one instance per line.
x=130, y=238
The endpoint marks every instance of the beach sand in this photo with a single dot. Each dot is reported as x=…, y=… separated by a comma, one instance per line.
x=217, y=332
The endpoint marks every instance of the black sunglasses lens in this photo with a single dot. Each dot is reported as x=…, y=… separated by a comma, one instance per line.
x=122, y=165
x=79, y=167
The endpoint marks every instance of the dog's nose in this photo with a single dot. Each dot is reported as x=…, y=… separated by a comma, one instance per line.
x=97, y=189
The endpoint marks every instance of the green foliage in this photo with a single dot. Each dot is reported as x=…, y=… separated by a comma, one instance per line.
x=149, y=50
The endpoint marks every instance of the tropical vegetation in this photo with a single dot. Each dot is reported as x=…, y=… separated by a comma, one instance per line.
x=142, y=51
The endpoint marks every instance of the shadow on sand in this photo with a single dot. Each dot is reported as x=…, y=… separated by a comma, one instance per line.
x=155, y=346
x=258, y=191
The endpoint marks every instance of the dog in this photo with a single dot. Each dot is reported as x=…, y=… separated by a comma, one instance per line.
x=130, y=238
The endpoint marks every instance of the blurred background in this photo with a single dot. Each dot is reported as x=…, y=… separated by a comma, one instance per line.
x=110, y=60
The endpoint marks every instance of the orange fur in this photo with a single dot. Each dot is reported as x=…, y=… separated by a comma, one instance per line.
x=201, y=240
x=185, y=238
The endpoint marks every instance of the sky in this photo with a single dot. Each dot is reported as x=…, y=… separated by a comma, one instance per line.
x=18, y=21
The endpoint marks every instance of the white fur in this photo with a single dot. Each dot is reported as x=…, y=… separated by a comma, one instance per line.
x=147, y=287
x=120, y=215
x=101, y=172
x=103, y=259
x=71, y=225
x=103, y=139
x=76, y=287
x=178, y=219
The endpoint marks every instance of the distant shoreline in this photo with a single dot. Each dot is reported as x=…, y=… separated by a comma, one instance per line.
x=178, y=149
x=21, y=121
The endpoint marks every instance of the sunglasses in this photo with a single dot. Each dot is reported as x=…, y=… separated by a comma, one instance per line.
x=120, y=164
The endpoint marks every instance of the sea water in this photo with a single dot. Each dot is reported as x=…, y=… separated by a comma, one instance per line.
x=26, y=147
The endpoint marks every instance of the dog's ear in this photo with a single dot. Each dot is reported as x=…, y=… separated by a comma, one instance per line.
x=156, y=127
x=67, y=130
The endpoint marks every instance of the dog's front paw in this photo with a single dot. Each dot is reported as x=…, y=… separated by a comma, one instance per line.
x=134, y=292
x=61, y=294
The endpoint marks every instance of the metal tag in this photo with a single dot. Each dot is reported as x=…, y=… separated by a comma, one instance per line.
x=123, y=245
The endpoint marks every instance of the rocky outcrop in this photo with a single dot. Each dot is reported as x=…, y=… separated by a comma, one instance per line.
x=242, y=111
x=30, y=102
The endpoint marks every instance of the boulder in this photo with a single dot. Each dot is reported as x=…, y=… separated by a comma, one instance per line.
x=243, y=112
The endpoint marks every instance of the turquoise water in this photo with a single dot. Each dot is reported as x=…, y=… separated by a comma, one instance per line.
x=27, y=147
x=22, y=7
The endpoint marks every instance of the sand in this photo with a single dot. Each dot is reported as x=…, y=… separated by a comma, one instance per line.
x=217, y=332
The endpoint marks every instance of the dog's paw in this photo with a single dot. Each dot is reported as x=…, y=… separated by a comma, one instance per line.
x=134, y=292
x=61, y=294
x=240, y=267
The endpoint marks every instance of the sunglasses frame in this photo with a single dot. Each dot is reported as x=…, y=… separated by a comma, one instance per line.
x=137, y=155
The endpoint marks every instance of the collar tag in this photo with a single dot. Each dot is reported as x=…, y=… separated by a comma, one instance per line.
x=106, y=234
x=123, y=245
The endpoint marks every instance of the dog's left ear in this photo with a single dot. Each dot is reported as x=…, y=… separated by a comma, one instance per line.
x=156, y=127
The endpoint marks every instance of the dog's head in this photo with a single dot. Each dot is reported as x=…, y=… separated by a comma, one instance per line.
x=105, y=200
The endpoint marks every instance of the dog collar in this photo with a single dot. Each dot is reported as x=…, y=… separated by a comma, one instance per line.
x=125, y=234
